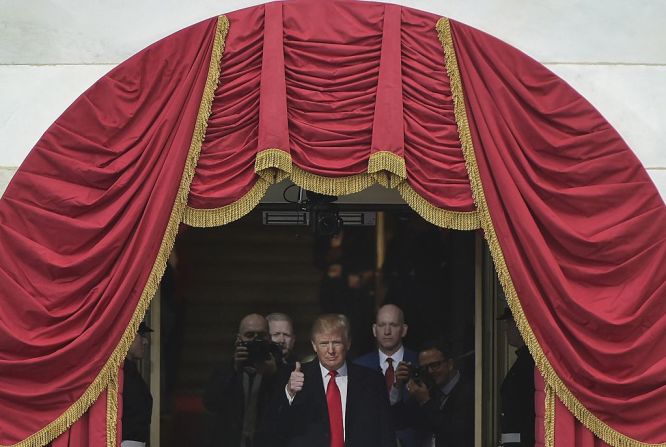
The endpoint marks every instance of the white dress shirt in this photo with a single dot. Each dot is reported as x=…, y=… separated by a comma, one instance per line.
x=341, y=380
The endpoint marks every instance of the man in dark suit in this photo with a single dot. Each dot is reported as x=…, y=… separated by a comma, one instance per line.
x=392, y=359
x=445, y=399
x=329, y=402
x=137, y=400
x=237, y=395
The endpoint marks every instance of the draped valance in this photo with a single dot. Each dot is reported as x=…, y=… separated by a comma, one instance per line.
x=335, y=96
x=334, y=111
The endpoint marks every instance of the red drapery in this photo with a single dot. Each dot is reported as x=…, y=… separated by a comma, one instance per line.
x=102, y=421
x=336, y=96
x=86, y=226
x=563, y=427
x=578, y=235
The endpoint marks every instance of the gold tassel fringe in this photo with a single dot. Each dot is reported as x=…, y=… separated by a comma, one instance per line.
x=112, y=412
x=455, y=220
x=110, y=369
x=215, y=217
x=593, y=423
x=387, y=169
x=273, y=165
x=332, y=186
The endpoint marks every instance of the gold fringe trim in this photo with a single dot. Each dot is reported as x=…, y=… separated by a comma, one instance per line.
x=593, y=423
x=332, y=186
x=273, y=165
x=455, y=220
x=215, y=217
x=112, y=412
x=549, y=419
x=387, y=169
x=101, y=382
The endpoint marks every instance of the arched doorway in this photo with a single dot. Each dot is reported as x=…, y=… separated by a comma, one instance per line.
x=507, y=140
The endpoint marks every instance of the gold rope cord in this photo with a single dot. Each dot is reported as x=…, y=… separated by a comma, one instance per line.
x=112, y=412
x=549, y=416
x=101, y=382
x=593, y=423
x=274, y=165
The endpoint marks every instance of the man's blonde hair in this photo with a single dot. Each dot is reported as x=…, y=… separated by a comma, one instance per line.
x=327, y=323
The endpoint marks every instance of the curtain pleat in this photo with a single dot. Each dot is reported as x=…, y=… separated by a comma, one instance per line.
x=577, y=232
x=86, y=226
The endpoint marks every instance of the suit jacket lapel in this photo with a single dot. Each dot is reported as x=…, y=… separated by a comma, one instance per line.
x=353, y=396
x=376, y=360
x=317, y=390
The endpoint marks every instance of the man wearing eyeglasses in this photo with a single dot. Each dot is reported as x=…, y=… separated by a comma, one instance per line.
x=445, y=399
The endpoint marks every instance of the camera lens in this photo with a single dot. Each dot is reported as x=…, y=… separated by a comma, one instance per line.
x=328, y=223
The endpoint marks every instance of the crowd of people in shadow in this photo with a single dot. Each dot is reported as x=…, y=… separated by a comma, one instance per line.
x=399, y=375
x=389, y=396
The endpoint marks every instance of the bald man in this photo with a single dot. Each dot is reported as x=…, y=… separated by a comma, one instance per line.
x=391, y=358
x=237, y=394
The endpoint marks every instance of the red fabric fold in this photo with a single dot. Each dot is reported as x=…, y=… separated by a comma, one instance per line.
x=91, y=429
x=388, y=131
x=435, y=163
x=81, y=224
x=225, y=171
x=331, y=82
x=273, y=127
x=332, y=54
x=582, y=230
x=568, y=431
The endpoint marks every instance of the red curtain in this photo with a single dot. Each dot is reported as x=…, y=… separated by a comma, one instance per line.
x=577, y=232
x=566, y=429
x=94, y=428
x=86, y=225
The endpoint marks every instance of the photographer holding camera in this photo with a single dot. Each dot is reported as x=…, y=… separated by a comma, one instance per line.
x=444, y=399
x=236, y=396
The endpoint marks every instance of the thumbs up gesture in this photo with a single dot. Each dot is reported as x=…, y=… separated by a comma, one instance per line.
x=296, y=380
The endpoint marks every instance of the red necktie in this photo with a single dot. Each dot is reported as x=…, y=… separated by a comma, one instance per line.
x=335, y=412
x=390, y=375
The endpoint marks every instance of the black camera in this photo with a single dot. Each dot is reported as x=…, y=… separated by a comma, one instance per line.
x=421, y=376
x=259, y=351
x=324, y=214
x=418, y=373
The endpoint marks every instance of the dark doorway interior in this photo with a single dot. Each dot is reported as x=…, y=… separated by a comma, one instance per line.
x=218, y=275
